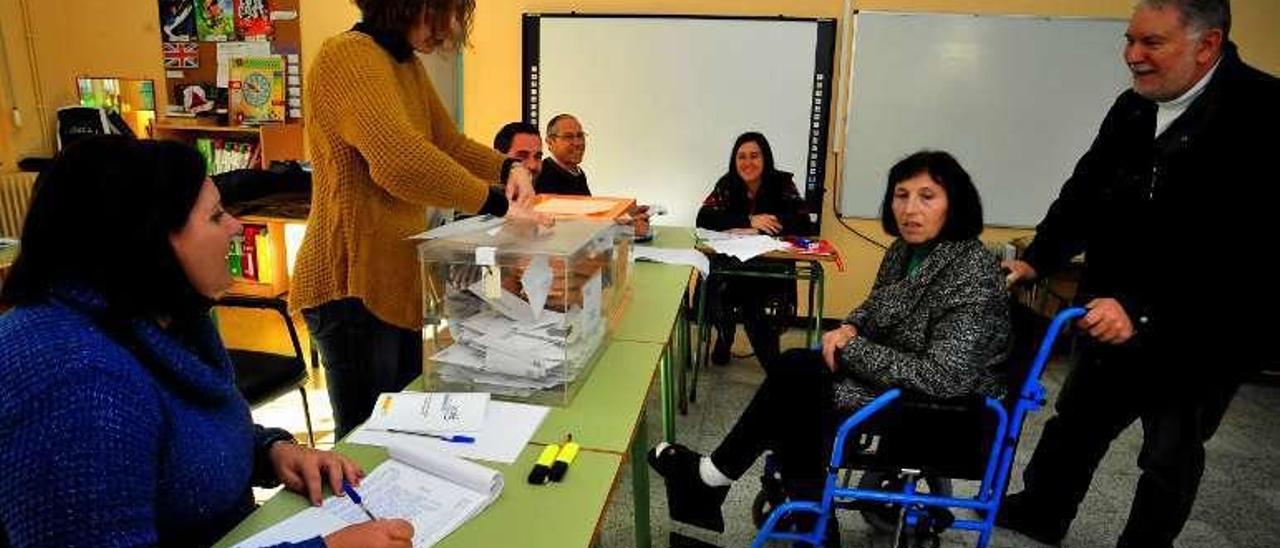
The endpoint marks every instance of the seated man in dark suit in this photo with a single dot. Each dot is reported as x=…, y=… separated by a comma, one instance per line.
x=521, y=141
x=562, y=172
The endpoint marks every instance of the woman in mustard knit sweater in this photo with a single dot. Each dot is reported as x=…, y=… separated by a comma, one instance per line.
x=384, y=152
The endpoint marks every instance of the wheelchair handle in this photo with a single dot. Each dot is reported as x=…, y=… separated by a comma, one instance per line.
x=1046, y=346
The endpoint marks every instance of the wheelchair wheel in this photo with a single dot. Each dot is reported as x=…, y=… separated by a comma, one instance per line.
x=883, y=518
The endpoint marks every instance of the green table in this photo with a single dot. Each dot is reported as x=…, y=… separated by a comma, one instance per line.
x=552, y=515
x=607, y=415
x=806, y=267
x=656, y=314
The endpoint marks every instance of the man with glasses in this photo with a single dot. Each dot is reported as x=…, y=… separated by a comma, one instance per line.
x=521, y=141
x=562, y=173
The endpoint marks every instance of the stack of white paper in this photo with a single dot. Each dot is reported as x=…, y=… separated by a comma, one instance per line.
x=430, y=412
x=746, y=247
x=506, y=428
x=436, y=493
x=504, y=347
x=691, y=257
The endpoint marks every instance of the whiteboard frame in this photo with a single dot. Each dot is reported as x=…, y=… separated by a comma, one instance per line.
x=810, y=181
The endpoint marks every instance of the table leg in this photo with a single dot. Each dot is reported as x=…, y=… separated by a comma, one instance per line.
x=818, y=279
x=640, y=482
x=682, y=352
x=812, y=332
x=700, y=348
x=668, y=394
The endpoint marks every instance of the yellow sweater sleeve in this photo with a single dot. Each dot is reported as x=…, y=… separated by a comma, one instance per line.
x=480, y=160
x=357, y=82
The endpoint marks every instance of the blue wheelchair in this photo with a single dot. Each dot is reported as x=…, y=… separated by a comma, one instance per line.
x=895, y=439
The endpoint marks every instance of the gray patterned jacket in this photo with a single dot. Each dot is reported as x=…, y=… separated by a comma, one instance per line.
x=939, y=331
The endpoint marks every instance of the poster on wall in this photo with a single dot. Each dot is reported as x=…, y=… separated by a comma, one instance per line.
x=257, y=89
x=253, y=19
x=215, y=20
x=178, y=20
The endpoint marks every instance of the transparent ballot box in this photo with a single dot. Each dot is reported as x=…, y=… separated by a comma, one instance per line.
x=519, y=311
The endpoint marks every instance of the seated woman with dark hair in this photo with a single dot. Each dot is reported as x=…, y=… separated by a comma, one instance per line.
x=121, y=420
x=936, y=322
x=752, y=197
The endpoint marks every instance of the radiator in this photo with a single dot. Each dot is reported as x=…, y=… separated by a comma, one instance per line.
x=15, y=195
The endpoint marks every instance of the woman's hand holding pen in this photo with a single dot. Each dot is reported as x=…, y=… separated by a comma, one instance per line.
x=302, y=470
x=383, y=533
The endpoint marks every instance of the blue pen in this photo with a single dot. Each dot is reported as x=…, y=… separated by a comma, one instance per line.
x=355, y=497
x=450, y=439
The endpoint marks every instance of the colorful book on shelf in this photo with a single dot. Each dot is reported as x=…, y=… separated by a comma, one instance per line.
x=204, y=146
x=177, y=20
x=249, y=259
x=253, y=19
x=266, y=256
x=215, y=20
x=256, y=88
x=233, y=256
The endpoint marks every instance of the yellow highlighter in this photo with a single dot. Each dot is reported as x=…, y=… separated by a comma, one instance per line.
x=564, y=459
x=542, y=467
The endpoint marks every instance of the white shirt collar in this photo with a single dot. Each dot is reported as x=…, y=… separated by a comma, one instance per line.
x=575, y=170
x=1186, y=98
x=1168, y=111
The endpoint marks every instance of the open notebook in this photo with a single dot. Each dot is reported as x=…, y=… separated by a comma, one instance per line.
x=435, y=492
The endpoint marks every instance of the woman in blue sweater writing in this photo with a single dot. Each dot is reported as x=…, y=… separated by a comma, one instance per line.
x=120, y=423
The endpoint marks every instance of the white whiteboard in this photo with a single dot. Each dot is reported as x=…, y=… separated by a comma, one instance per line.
x=662, y=98
x=1016, y=99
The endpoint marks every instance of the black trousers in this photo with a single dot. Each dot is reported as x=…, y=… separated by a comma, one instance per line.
x=735, y=298
x=792, y=415
x=363, y=357
x=1102, y=396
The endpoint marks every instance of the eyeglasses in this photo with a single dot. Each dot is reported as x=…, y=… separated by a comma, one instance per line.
x=580, y=136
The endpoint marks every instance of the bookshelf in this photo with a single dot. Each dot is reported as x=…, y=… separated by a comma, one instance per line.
x=271, y=260
x=275, y=141
x=282, y=141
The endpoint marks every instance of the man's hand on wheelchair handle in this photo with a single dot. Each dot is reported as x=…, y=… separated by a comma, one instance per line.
x=1018, y=271
x=1107, y=321
x=834, y=341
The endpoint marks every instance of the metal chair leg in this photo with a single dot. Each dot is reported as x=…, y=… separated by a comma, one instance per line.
x=306, y=412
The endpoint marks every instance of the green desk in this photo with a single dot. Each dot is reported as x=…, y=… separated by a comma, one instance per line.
x=607, y=415
x=807, y=267
x=656, y=314
x=7, y=255
x=552, y=515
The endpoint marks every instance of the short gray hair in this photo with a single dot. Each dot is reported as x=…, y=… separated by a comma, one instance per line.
x=1198, y=14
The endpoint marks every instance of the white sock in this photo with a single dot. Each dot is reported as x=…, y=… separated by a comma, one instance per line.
x=711, y=475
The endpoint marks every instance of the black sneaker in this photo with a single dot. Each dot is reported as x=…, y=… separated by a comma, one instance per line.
x=1018, y=514
x=689, y=500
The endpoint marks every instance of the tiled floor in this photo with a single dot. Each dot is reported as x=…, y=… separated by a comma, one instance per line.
x=1239, y=497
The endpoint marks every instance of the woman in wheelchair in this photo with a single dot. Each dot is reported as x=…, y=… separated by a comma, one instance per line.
x=752, y=197
x=936, y=322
